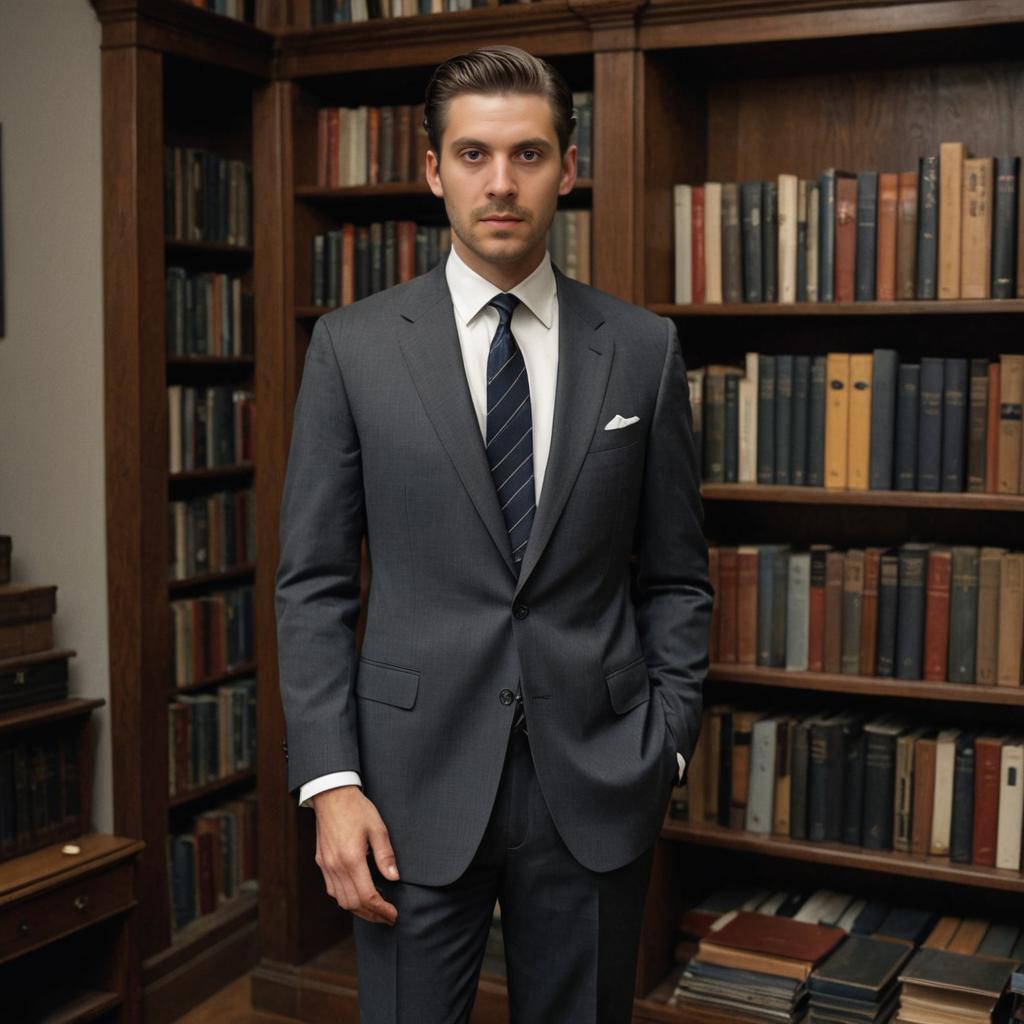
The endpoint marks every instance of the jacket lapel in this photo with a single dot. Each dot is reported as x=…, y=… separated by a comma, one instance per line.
x=584, y=363
x=430, y=347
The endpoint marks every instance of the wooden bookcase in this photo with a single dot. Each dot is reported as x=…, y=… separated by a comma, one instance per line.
x=684, y=91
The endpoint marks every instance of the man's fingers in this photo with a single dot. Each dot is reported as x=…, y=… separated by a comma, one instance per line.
x=369, y=898
x=383, y=854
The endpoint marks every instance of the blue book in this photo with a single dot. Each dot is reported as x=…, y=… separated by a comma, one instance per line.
x=783, y=416
x=884, y=383
x=929, y=424
x=867, y=234
x=816, y=424
x=954, y=424
x=905, y=452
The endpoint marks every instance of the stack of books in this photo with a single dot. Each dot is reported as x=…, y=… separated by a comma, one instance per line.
x=756, y=962
x=858, y=981
x=939, y=986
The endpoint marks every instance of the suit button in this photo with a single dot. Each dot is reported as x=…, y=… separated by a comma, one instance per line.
x=520, y=611
x=506, y=696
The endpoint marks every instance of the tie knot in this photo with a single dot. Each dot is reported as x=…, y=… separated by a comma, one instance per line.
x=504, y=303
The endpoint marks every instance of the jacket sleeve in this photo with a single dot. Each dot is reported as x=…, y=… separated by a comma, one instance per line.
x=317, y=583
x=672, y=592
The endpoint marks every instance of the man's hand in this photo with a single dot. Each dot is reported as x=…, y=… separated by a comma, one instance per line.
x=347, y=823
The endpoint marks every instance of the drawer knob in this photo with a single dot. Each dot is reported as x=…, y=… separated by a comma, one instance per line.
x=81, y=903
x=23, y=928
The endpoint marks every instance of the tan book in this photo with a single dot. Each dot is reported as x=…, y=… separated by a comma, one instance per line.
x=696, y=777
x=951, y=183
x=747, y=454
x=788, y=187
x=745, y=960
x=942, y=801
x=906, y=237
x=1011, y=806
x=924, y=795
x=903, y=804
x=968, y=936
x=1011, y=404
x=713, y=241
x=858, y=452
x=888, y=215
x=945, y=928
x=976, y=230
x=1011, y=619
x=837, y=418
x=835, y=576
x=987, y=638
x=869, y=611
x=682, y=206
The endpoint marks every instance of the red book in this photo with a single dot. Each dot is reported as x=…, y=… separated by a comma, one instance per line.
x=885, y=264
x=777, y=936
x=727, y=593
x=846, y=237
x=816, y=610
x=987, y=754
x=746, y=606
x=936, y=615
x=992, y=430
x=869, y=611
x=697, y=241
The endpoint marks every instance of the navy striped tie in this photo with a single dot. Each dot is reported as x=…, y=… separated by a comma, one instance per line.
x=510, y=428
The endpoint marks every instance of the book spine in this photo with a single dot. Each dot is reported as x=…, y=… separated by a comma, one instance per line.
x=954, y=423
x=766, y=419
x=910, y=615
x=869, y=612
x=879, y=789
x=1004, y=227
x=816, y=612
x=802, y=192
x=835, y=570
x=906, y=236
x=936, y=618
x=827, y=236
x=751, y=199
x=905, y=455
x=731, y=428
x=846, y=236
x=988, y=752
x=888, y=218
x=962, y=822
x=770, y=242
x=783, y=416
x=853, y=592
x=858, y=455
x=732, y=247
x=867, y=235
x=963, y=614
x=816, y=423
x=799, y=767
x=929, y=424
x=884, y=375
x=853, y=768
x=927, y=227
x=800, y=415
x=797, y=598
x=837, y=419
x=977, y=420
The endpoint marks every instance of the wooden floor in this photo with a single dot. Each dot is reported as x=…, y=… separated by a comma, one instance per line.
x=231, y=1005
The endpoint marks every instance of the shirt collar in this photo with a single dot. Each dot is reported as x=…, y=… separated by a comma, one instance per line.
x=470, y=292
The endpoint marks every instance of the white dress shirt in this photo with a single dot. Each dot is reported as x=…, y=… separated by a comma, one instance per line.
x=535, y=326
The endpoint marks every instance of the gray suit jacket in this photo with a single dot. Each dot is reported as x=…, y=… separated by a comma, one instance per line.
x=610, y=655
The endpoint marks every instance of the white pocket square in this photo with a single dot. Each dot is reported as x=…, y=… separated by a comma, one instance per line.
x=617, y=422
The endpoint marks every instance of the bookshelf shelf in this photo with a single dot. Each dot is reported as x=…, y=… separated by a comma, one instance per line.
x=213, y=473
x=178, y=247
x=939, y=869
x=236, y=574
x=51, y=711
x=240, y=361
x=240, y=672
x=883, y=499
x=915, y=308
x=196, y=794
x=829, y=682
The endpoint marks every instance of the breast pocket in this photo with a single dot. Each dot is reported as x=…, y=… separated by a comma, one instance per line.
x=620, y=437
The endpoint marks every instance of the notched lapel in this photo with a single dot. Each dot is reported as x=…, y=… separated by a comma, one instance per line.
x=584, y=363
x=430, y=348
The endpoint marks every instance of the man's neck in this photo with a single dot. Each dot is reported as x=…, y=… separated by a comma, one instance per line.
x=503, y=277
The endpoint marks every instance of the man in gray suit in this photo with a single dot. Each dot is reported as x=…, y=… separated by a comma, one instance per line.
x=525, y=696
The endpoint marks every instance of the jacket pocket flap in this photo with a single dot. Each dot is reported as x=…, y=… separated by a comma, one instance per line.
x=629, y=686
x=387, y=683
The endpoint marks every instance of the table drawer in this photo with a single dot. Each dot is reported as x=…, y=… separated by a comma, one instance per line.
x=49, y=915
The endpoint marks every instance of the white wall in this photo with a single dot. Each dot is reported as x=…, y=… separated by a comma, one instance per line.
x=51, y=359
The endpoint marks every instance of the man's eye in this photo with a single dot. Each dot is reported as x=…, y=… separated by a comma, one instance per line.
x=470, y=152
x=531, y=152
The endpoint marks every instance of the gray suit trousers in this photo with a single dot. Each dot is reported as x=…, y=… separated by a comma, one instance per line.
x=571, y=935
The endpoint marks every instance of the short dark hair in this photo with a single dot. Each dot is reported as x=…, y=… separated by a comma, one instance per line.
x=497, y=69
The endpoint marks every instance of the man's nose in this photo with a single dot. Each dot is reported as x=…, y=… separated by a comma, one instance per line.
x=502, y=181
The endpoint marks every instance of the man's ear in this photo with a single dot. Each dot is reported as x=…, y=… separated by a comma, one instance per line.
x=433, y=174
x=568, y=179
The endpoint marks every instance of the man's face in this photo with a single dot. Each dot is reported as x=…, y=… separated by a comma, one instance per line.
x=500, y=175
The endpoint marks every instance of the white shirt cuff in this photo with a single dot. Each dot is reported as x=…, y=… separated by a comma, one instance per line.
x=682, y=766
x=332, y=781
